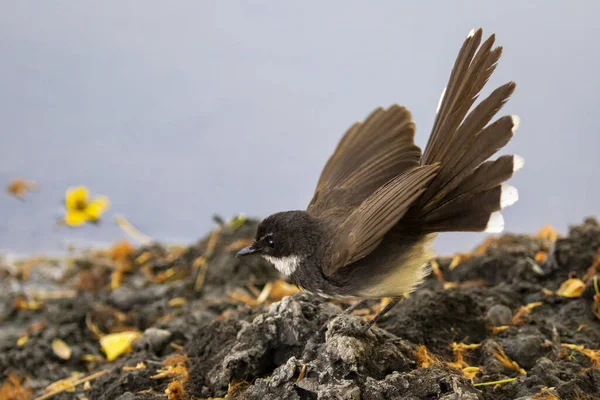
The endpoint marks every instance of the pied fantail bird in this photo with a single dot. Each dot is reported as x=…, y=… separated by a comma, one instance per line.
x=380, y=202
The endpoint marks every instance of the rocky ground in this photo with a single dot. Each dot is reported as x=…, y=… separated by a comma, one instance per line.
x=518, y=318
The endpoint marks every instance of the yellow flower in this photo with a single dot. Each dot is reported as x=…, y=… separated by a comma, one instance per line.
x=80, y=209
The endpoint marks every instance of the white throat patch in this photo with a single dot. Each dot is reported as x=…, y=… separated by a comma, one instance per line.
x=285, y=265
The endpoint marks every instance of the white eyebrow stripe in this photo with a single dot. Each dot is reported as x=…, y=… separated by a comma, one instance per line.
x=266, y=236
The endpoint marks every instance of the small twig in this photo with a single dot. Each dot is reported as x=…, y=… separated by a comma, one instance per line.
x=264, y=295
x=54, y=295
x=495, y=382
x=74, y=384
x=132, y=231
x=202, y=261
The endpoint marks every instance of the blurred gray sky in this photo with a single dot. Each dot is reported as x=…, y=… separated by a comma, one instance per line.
x=178, y=110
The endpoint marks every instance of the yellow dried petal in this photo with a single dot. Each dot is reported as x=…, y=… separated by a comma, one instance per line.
x=121, y=251
x=61, y=349
x=117, y=344
x=547, y=232
x=458, y=259
x=501, y=356
x=237, y=221
x=424, y=359
x=470, y=372
x=540, y=257
x=572, y=287
x=177, y=302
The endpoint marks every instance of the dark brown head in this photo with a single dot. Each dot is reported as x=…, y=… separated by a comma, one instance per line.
x=285, y=239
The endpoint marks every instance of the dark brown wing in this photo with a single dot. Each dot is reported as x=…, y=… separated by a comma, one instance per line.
x=365, y=228
x=369, y=155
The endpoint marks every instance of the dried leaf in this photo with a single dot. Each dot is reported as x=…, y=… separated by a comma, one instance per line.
x=464, y=284
x=239, y=295
x=121, y=251
x=501, y=356
x=61, y=349
x=237, y=221
x=572, y=287
x=176, y=360
x=201, y=263
x=460, y=350
x=92, y=326
x=547, y=232
x=117, y=344
x=596, y=304
x=594, y=268
x=302, y=373
x=593, y=355
x=19, y=187
x=21, y=303
x=176, y=391
x=487, y=243
x=470, y=372
x=139, y=365
x=13, y=389
x=424, y=359
x=546, y=394
x=519, y=317
x=177, y=302
x=540, y=257
x=437, y=272
x=458, y=259
x=143, y=258
x=69, y=384
x=499, y=329
x=547, y=292
x=64, y=385
x=236, y=389
x=264, y=294
x=282, y=289
x=179, y=372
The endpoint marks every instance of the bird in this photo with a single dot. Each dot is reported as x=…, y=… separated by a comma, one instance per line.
x=380, y=201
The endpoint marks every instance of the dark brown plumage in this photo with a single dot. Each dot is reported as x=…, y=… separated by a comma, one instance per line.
x=379, y=203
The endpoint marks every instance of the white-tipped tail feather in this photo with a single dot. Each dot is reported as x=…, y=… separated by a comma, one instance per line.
x=518, y=163
x=495, y=223
x=508, y=196
x=468, y=185
x=516, y=121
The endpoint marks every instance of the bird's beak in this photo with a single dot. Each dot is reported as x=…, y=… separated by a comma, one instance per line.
x=247, y=251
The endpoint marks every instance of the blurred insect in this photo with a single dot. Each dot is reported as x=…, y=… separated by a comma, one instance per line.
x=79, y=208
x=20, y=187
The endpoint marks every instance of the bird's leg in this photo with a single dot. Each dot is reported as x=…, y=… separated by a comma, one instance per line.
x=381, y=313
x=354, y=306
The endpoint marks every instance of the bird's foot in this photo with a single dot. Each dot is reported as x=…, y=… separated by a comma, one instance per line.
x=381, y=313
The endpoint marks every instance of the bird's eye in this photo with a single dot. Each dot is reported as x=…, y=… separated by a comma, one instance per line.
x=271, y=243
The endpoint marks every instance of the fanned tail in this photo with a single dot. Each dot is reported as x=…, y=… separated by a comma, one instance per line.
x=468, y=192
